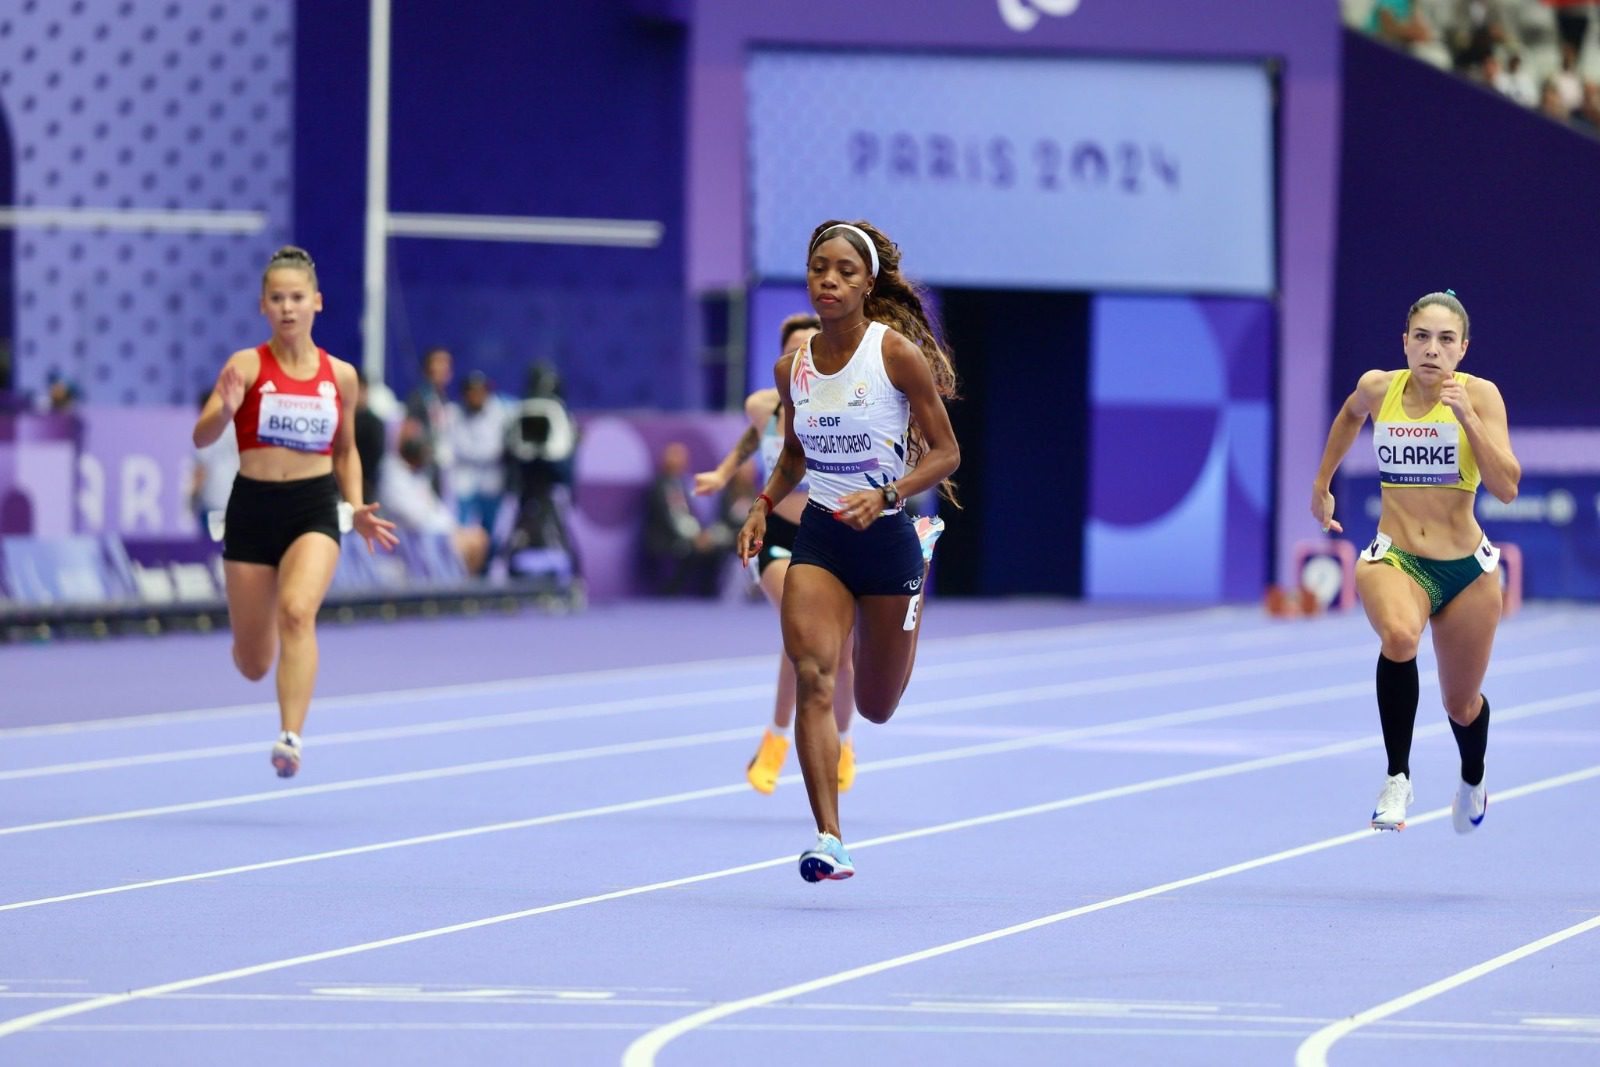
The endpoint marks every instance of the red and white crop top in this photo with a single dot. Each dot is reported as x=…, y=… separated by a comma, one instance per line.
x=289, y=412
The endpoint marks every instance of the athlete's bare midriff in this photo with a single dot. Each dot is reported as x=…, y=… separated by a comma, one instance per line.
x=1430, y=522
x=273, y=463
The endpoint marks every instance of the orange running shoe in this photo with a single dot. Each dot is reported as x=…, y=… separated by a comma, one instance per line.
x=847, y=765
x=768, y=762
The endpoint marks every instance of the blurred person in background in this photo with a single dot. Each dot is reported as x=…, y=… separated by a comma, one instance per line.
x=1551, y=103
x=1512, y=79
x=763, y=438
x=686, y=555
x=476, y=436
x=286, y=401
x=60, y=396
x=215, y=467
x=428, y=408
x=1568, y=82
x=372, y=437
x=541, y=450
x=410, y=497
x=1572, y=21
x=1399, y=22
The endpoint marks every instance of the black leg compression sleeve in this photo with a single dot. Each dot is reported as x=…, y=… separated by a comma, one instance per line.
x=1473, y=741
x=1397, y=710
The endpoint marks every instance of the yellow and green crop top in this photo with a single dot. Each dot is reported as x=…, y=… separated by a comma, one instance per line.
x=1430, y=451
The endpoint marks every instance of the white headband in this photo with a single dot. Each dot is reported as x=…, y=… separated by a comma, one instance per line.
x=872, y=248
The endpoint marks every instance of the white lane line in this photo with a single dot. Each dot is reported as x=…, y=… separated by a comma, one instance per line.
x=988, y=701
x=642, y=1052
x=933, y=672
x=1085, y=630
x=1313, y=1052
x=1149, y=785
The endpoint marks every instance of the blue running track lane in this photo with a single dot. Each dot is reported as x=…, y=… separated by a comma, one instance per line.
x=1090, y=835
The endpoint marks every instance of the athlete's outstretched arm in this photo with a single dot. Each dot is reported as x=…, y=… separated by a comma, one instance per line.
x=758, y=407
x=1341, y=435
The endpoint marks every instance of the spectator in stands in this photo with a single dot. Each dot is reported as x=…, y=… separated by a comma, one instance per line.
x=1473, y=30
x=685, y=556
x=476, y=432
x=413, y=503
x=1589, y=115
x=1572, y=22
x=61, y=395
x=1568, y=82
x=215, y=467
x=428, y=407
x=372, y=438
x=1551, y=103
x=1399, y=22
x=1513, y=80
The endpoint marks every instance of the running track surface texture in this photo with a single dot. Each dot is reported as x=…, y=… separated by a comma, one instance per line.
x=1088, y=836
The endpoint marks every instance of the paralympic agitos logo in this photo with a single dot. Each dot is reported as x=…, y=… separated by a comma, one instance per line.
x=1023, y=15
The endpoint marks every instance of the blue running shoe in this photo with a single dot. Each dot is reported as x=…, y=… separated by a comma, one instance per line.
x=928, y=531
x=826, y=859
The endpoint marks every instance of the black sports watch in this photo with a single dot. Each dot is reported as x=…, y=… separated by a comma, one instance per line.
x=891, y=495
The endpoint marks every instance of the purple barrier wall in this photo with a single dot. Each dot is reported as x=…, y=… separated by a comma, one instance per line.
x=1181, y=453
x=37, y=454
x=133, y=466
x=1305, y=38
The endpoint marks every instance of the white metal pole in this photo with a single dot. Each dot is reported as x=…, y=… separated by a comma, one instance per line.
x=375, y=295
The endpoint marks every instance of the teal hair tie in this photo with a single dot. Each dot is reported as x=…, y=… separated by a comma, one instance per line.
x=1449, y=292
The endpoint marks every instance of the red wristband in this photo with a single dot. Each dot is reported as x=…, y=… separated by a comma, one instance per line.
x=768, y=499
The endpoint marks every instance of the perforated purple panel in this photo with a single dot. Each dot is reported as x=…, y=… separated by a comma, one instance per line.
x=113, y=104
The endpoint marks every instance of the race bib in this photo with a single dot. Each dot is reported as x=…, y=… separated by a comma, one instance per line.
x=1418, y=453
x=303, y=423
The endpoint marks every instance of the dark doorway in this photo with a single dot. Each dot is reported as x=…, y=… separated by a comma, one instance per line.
x=1023, y=362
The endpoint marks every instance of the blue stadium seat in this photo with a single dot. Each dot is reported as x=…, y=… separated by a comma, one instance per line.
x=66, y=570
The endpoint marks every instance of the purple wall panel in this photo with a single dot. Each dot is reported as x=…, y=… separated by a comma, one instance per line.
x=1181, y=443
x=179, y=105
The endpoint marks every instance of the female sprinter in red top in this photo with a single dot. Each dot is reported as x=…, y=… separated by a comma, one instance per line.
x=286, y=400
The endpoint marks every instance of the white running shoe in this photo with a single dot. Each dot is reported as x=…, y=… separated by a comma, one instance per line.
x=1389, y=813
x=286, y=754
x=1469, y=807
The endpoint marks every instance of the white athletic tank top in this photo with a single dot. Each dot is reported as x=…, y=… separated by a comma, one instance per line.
x=852, y=423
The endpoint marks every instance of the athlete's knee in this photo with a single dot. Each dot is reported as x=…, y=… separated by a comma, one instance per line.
x=1400, y=639
x=1463, y=710
x=812, y=675
x=254, y=665
x=297, y=615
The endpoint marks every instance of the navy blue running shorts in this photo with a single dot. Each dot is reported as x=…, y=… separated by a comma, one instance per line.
x=885, y=559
